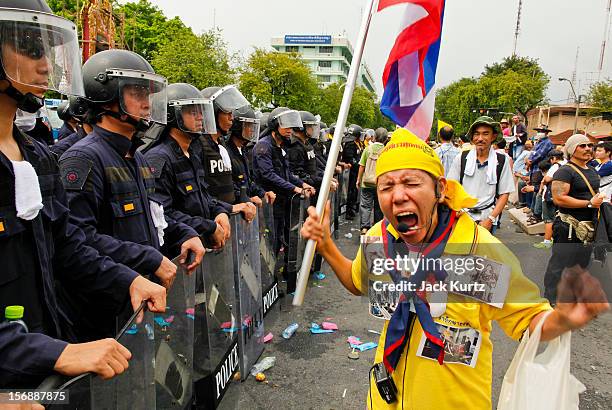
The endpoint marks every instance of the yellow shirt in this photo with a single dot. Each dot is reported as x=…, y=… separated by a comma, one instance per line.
x=429, y=385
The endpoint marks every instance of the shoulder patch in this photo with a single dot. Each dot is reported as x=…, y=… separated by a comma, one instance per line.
x=156, y=165
x=74, y=172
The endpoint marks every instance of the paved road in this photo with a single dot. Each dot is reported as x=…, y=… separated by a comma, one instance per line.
x=314, y=372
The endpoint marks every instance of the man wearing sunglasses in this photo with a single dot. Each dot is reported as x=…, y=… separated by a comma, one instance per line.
x=576, y=197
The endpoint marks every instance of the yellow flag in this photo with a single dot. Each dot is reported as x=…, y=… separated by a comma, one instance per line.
x=442, y=124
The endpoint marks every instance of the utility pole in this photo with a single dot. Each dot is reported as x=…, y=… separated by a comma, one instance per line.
x=606, y=33
x=574, y=75
x=518, y=27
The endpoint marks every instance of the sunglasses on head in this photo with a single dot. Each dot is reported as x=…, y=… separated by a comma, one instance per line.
x=589, y=145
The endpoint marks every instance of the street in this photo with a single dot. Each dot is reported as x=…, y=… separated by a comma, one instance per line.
x=314, y=372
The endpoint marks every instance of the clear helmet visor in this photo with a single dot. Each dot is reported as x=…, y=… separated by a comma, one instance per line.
x=324, y=135
x=194, y=116
x=312, y=130
x=289, y=119
x=143, y=95
x=41, y=51
x=250, y=129
x=229, y=98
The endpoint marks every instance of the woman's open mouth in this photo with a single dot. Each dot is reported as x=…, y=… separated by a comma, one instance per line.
x=408, y=219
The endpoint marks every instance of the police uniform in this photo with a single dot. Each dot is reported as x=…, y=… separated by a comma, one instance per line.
x=241, y=173
x=180, y=185
x=303, y=162
x=65, y=131
x=217, y=174
x=67, y=142
x=321, y=150
x=37, y=253
x=351, y=155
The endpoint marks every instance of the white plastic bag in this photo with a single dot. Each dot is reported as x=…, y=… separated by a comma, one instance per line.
x=540, y=382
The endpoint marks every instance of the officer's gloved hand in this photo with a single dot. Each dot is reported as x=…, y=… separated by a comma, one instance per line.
x=270, y=196
x=166, y=272
x=247, y=210
x=143, y=289
x=217, y=239
x=223, y=220
x=309, y=190
x=106, y=358
x=196, y=248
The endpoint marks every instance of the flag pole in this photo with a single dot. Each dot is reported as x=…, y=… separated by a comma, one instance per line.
x=302, y=279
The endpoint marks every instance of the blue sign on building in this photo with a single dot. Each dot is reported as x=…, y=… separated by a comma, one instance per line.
x=307, y=39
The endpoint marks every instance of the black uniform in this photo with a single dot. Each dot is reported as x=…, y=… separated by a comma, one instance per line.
x=180, y=186
x=38, y=257
x=65, y=131
x=351, y=154
x=67, y=142
x=241, y=173
x=216, y=173
x=303, y=162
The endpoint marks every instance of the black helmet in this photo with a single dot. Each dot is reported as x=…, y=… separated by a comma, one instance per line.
x=263, y=121
x=245, y=124
x=34, y=33
x=323, y=125
x=110, y=75
x=225, y=99
x=185, y=99
x=63, y=111
x=354, y=130
x=311, y=124
x=77, y=107
x=283, y=117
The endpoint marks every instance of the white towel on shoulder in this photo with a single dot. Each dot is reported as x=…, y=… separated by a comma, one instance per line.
x=470, y=165
x=159, y=220
x=28, y=199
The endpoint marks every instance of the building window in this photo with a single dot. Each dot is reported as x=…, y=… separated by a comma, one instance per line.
x=309, y=46
x=326, y=49
x=292, y=49
x=325, y=64
x=325, y=78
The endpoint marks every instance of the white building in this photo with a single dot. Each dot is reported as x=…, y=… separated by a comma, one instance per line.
x=329, y=57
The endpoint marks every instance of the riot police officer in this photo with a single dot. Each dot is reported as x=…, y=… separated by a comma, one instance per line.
x=245, y=131
x=214, y=155
x=70, y=124
x=272, y=173
x=40, y=248
x=351, y=155
x=301, y=153
x=109, y=182
x=77, y=106
x=176, y=166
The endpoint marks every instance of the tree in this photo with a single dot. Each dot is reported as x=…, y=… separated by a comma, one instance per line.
x=364, y=109
x=456, y=103
x=600, y=97
x=199, y=60
x=271, y=79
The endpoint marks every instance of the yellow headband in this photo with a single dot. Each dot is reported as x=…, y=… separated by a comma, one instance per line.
x=406, y=151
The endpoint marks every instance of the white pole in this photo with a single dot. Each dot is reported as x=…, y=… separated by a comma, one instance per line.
x=302, y=279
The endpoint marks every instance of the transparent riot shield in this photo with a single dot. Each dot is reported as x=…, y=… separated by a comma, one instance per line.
x=301, y=242
x=293, y=247
x=134, y=389
x=216, y=357
x=174, y=336
x=247, y=280
x=333, y=218
x=265, y=217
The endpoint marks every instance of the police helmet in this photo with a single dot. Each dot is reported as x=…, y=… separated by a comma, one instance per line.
x=185, y=108
x=63, y=111
x=33, y=33
x=77, y=107
x=311, y=124
x=283, y=117
x=245, y=124
x=124, y=76
x=354, y=130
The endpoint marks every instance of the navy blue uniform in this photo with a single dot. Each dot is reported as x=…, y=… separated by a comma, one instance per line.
x=180, y=186
x=62, y=146
x=241, y=173
x=109, y=199
x=36, y=256
x=65, y=131
x=303, y=162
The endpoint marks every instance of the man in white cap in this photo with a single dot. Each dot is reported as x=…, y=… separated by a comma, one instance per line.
x=575, y=188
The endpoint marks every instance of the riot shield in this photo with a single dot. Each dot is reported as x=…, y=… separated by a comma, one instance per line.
x=134, y=389
x=301, y=242
x=334, y=220
x=216, y=330
x=265, y=217
x=174, y=336
x=247, y=280
x=344, y=177
x=293, y=247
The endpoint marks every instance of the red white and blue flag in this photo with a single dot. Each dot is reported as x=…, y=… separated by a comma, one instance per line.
x=410, y=72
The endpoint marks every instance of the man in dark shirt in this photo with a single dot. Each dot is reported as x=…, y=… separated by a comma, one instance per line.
x=574, y=197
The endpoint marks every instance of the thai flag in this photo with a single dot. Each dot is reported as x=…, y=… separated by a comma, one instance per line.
x=410, y=72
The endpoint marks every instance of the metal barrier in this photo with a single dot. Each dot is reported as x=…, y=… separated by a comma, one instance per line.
x=247, y=280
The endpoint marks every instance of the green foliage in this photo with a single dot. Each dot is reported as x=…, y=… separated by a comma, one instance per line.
x=271, y=79
x=64, y=8
x=517, y=84
x=600, y=97
x=198, y=60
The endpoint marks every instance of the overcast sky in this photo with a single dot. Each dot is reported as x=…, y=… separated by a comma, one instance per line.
x=475, y=32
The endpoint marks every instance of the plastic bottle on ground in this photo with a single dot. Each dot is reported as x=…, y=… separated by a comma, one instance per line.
x=290, y=330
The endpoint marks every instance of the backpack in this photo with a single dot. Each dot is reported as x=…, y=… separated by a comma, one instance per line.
x=369, y=174
x=501, y=161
